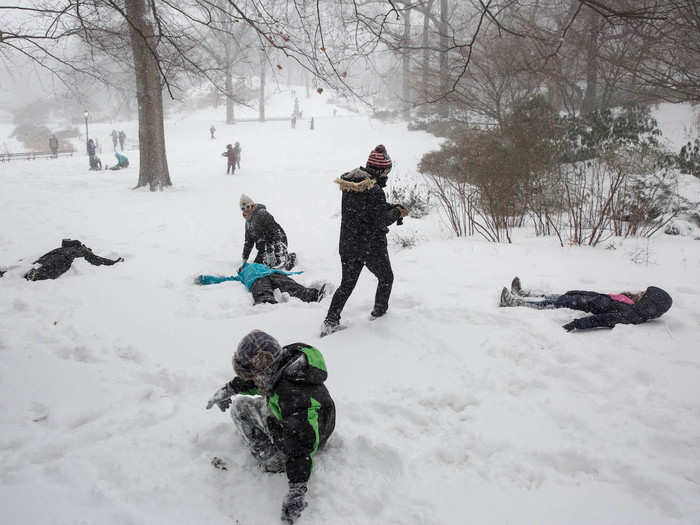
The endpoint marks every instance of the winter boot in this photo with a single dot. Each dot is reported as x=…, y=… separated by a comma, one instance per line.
x=515, y=287
x=329, y=327
x=376, y=313
x=324, y=290
x=507, y=298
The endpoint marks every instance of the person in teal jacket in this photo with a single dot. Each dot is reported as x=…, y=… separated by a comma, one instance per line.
x=262, y=280
x=122, y=161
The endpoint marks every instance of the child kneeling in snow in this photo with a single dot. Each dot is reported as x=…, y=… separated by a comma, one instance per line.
x=294, y=417
x=608, y=309
x=262, y=281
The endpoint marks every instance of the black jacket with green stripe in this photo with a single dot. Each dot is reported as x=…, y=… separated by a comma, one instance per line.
x=303, y=412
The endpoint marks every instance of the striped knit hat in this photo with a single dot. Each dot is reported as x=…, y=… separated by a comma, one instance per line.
x=379, y=159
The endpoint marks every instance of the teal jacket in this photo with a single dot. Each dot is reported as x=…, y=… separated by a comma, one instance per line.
x=122, y=161
x=250, y=272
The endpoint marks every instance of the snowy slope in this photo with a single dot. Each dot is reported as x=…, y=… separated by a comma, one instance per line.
x=450, y=410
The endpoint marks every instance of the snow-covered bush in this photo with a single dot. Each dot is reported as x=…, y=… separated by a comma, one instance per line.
x=412, y=196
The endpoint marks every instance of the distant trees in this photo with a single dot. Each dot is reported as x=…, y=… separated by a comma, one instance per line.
x=468, y=57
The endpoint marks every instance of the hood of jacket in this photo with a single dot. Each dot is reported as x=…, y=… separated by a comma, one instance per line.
x=357, y=180
x=655, y=303
x=304, y=364
x=258, y=208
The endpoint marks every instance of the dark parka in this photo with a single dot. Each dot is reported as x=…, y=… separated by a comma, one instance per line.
x=56, y=262
x=303, y=412
x=608, y=312
x=262, y=230
x=366, y=215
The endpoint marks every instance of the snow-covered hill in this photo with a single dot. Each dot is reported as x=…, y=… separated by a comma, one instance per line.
x=450, y=409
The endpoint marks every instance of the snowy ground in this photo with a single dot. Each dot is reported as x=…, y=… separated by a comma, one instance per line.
x=450, y=410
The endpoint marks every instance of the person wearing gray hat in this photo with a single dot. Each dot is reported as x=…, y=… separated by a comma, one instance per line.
x=281, y=408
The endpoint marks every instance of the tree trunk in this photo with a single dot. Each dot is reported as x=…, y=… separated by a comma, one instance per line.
x=590, y=97
x=229, y=84
x=153, y=166
x=261, y=103
x=426, y=52
x=444, y=44
x=406, y=65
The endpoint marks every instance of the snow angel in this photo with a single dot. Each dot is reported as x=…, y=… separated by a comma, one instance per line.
x=607, y=309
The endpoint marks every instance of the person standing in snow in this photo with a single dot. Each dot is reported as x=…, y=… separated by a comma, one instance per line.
x=263, y=232
x=607, y=309
x=95, y=162
x=122, y=139
x=262, y=281
x=55, y=263
x=281, y=408
x=364, y=224
x=212, y=130
x=230, y=155
x=53, y=145
x=115, y=138
x=237, y=154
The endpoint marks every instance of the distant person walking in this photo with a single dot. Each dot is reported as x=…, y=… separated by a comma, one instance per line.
x=230, y=155
x=212, y=130
x=53, y=145
x=237, y=151
x=115, y=138
x=122, y=139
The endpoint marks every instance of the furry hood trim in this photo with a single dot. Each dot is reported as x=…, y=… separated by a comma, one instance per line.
x=356, y=180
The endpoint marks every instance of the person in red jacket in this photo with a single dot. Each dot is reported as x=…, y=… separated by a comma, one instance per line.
x=230, y=155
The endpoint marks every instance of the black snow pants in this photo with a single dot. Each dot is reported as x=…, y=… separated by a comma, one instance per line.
x=380, y=265
x=231, y=167
x=263, y=289
x=591, y=302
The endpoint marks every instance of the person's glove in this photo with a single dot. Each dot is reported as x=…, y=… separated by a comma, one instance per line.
x=221, y=398
x=293, y=503
x=121, y=259
x=270, y=259
x=570, y=327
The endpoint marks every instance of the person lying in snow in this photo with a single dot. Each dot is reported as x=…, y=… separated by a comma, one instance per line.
x=607, y=309
x=57, y=262
x=269, y=238
x=262, y=281
x=294, y=417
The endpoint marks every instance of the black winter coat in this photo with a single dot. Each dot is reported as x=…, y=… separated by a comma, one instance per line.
x=608, y=312
x=262, y=231
x=366, y=215
x=56, y=262
x=303, y=412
